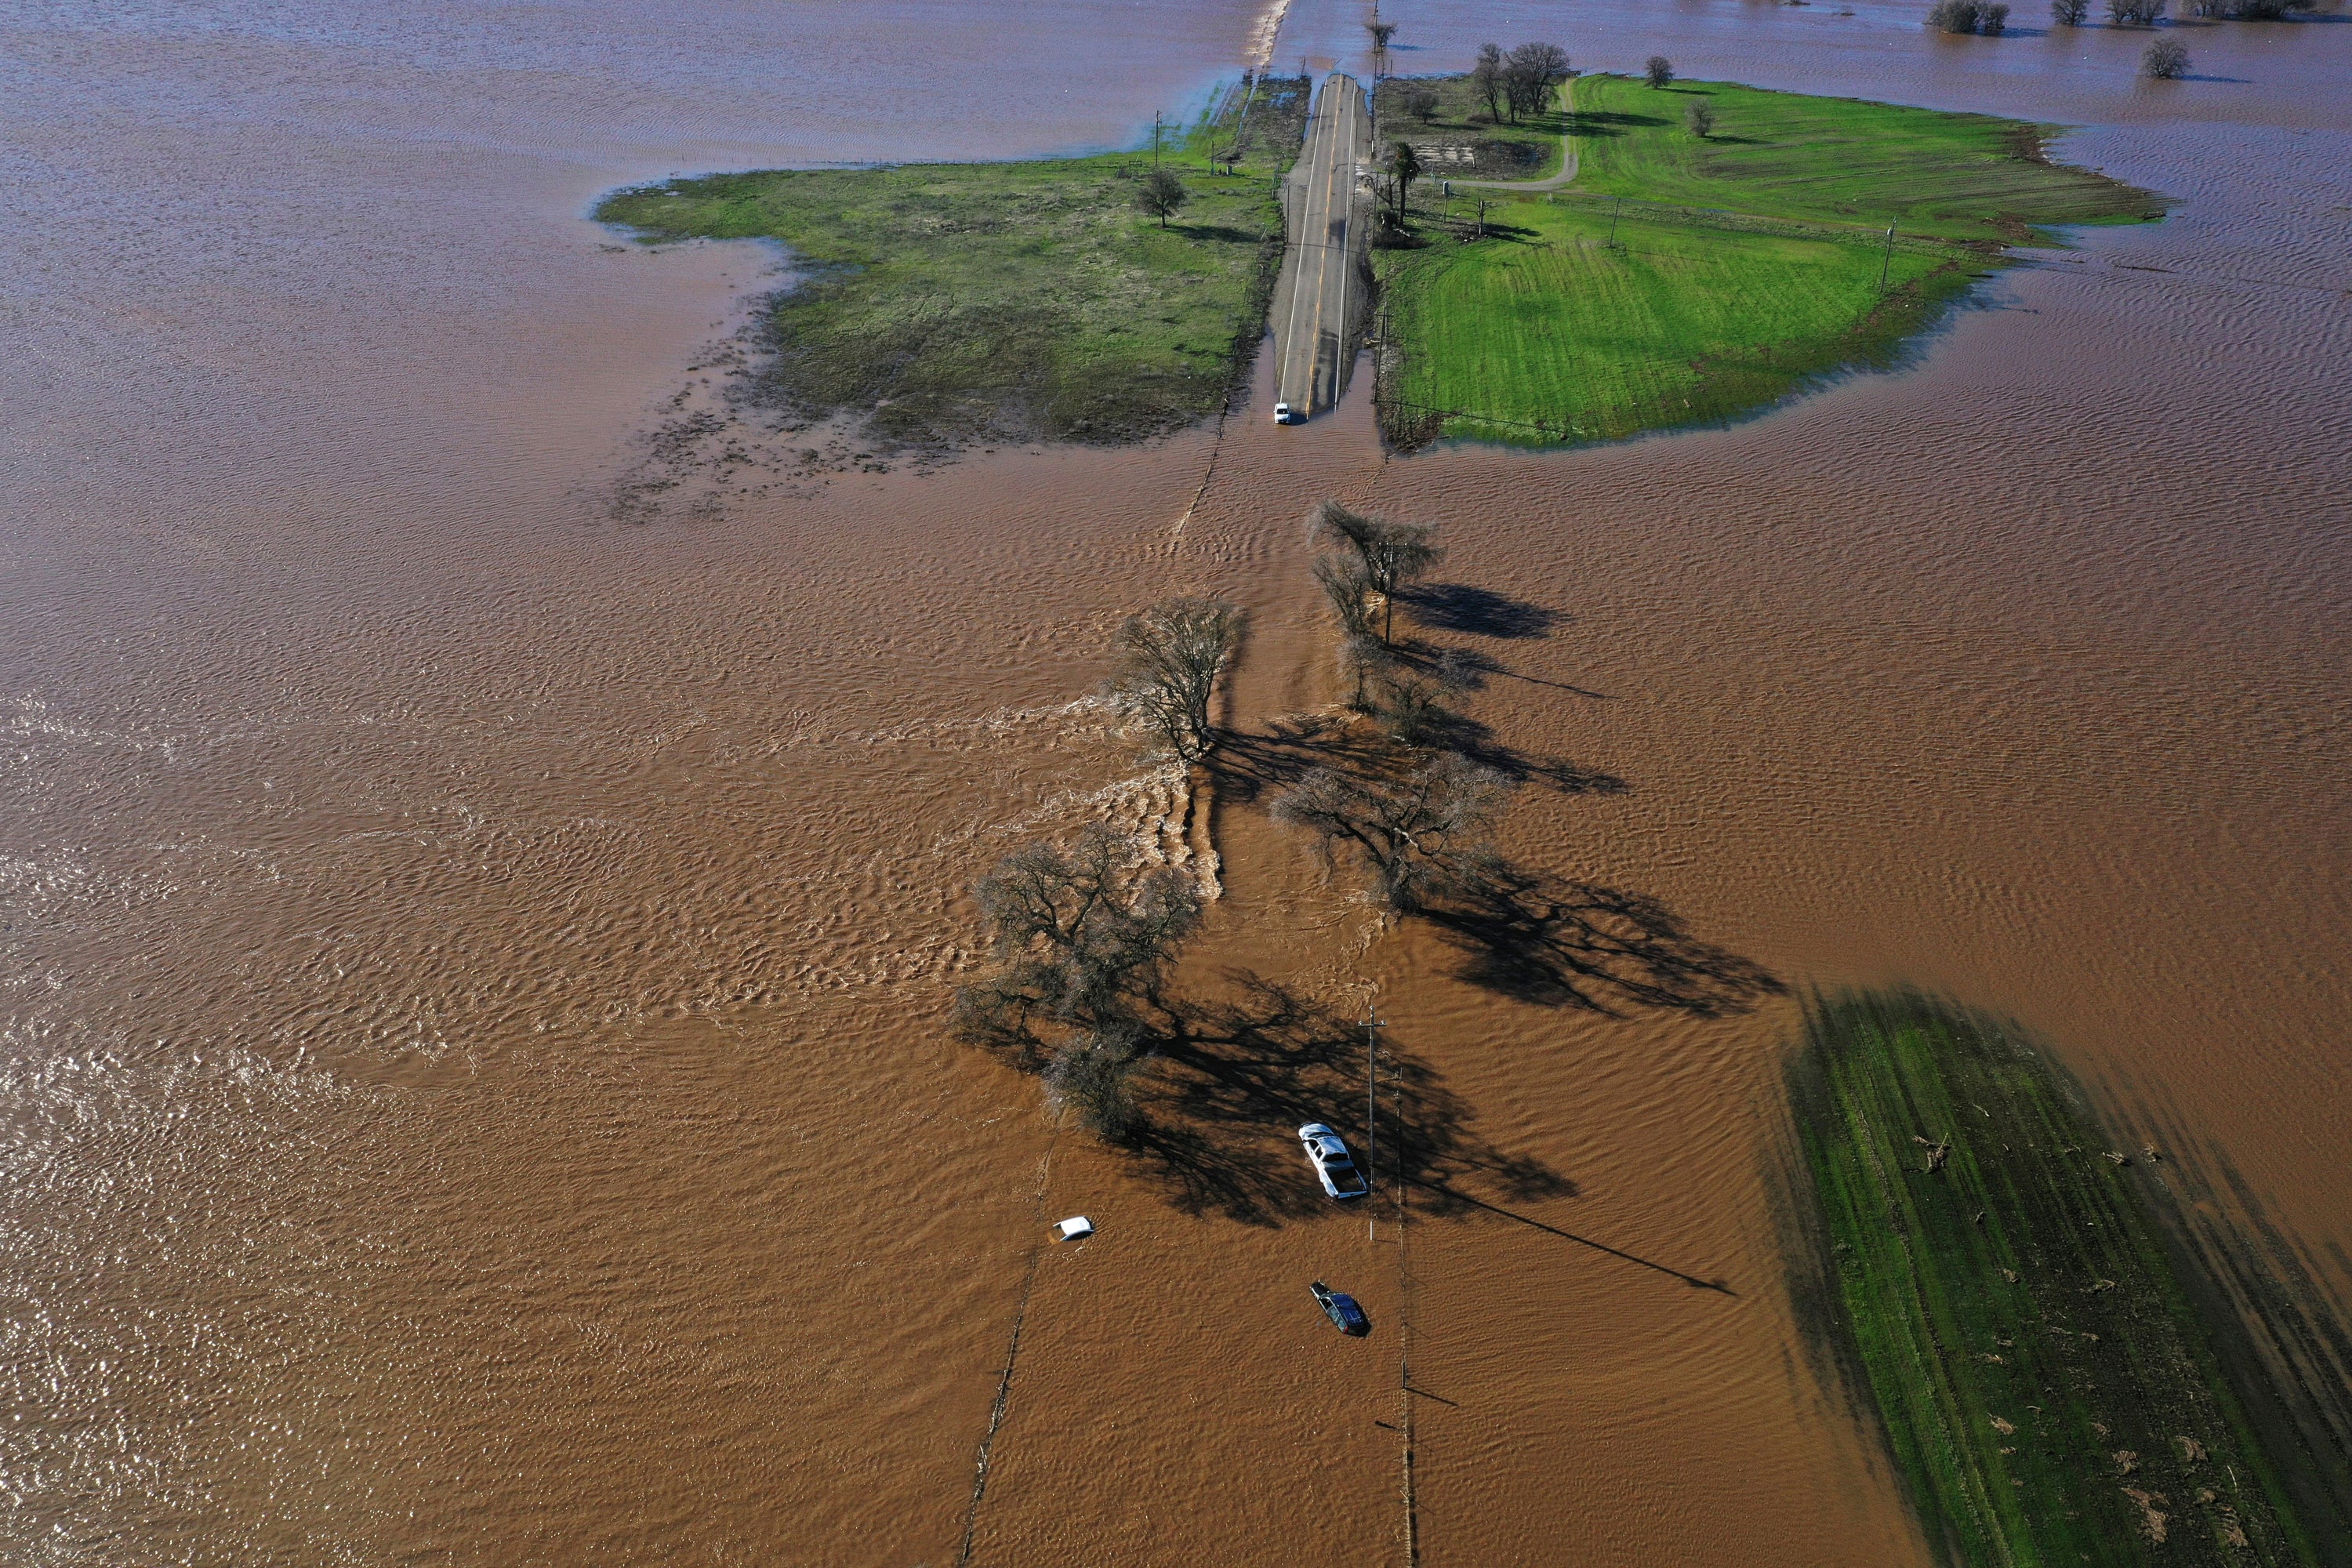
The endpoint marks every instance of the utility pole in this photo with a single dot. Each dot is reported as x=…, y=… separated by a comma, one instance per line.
x=1373, y=1024
x=1155, y=139
x=1887, y=259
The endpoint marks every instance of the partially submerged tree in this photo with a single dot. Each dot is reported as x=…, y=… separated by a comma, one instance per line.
x=1530, y=74
x=2165, y=59
x=2069, y=12
x=1392, y=554
x=1349, y=588
x=1699, y=115
x=1381, y=33
x=1168, y=660
x=1416, y=835
x=2136, y=12
x=1659, y=70
x=1083, y=939
x=1486, y=76
x=1162, y=195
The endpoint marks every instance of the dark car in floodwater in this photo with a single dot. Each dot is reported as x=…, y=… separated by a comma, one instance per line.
x=1341, y=1309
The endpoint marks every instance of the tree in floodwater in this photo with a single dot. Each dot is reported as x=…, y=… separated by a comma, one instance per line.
x=1486, y=76
x=1659, y=70
x=2069, y=12
x=1169, y=659
x=1162, y=194
x=1393, y=553
x=1416, y=835
x=2165, y=59
x=1348, y=586
x=1381, y=33
x=1084, y=939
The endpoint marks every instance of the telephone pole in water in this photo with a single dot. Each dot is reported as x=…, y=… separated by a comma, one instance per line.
x=1373, y=1024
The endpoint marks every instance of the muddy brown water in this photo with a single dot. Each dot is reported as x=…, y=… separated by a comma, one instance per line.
x=476, y=1081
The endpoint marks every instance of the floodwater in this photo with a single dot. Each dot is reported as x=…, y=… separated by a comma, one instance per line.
x=476, y=1081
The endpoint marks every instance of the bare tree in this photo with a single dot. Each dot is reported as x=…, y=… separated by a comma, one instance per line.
x=1162, y=195
x=1082, y=939
x=1486, y=76
x=1659, y=70
x=1169, y=660
x=1530, y=74
x=1349, y=587
x=1417, y=100
x=1393, y=553
x=1992, y=20
x=2069, y=12
x=1416, y=835
x=2165, y=59
x=1699, y=115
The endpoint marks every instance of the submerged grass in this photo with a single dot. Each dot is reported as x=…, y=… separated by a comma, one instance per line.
x=2047, y=1388
x=1684, y=281
x=949, y=303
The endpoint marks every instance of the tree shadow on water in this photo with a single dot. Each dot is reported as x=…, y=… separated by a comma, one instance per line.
x=1479, y=611
x=1238, y=1076
x=1554, y=942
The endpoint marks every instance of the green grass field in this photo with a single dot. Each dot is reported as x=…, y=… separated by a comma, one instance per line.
x=950, y=303
x=1550, y=334
x=1837, y=161
x=2049, y=1393
x=1746, y=266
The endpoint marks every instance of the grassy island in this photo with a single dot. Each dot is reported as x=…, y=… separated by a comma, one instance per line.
x=1684, y=276
x=2049, y=1393
x=949, y=303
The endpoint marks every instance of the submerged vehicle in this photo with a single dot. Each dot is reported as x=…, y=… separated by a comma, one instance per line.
x=1282, y=415
x=1333, y=1164
x=1341, y=1309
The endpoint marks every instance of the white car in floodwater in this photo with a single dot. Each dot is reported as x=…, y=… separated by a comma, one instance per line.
x=1282, y=414
x=1334, y=1166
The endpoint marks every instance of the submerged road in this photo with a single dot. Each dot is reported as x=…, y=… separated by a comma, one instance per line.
x=1320, y=293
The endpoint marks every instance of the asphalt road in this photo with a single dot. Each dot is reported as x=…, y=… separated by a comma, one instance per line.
x=1319, y=294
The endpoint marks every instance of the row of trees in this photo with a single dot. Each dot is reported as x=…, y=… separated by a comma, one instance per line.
x=1413, y=818
x=1084, y=934
x=1521, y=81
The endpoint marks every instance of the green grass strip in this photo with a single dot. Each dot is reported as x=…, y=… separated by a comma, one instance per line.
x=950, y=303
x=2049, y=1393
